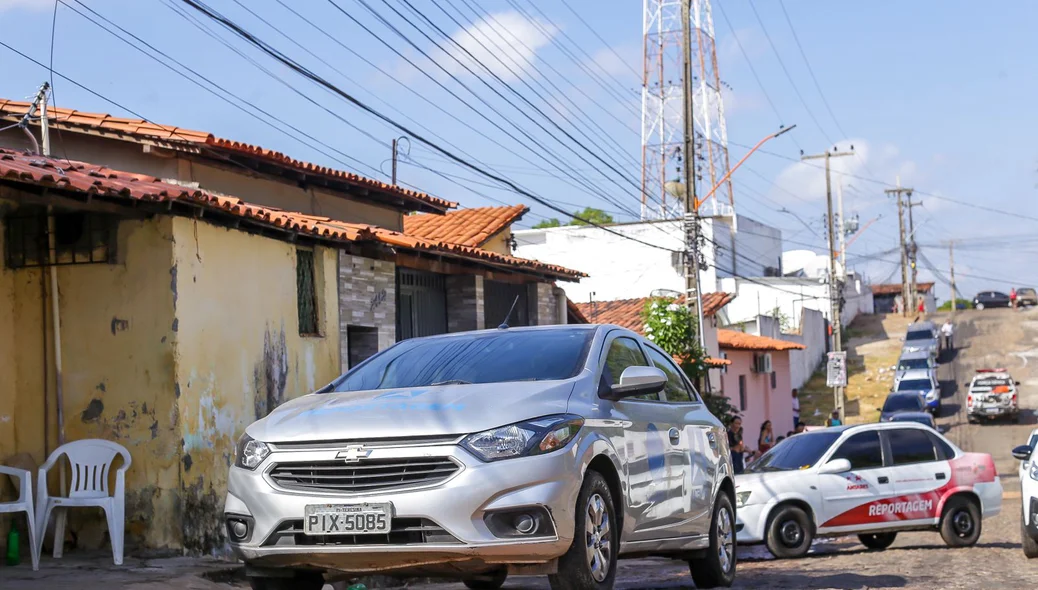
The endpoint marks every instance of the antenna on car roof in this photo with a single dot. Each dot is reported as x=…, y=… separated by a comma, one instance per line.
x=504, y=324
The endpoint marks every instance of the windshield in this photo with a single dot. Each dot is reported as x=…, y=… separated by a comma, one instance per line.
x=920, y=418
x=901, y=403
x=906, y=364
x=799, y=451
x=914, y=385
x=1025, y=292
x=480, y=357
x=919, y=335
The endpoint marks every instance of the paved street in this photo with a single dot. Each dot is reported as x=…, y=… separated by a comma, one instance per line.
x=917, y=560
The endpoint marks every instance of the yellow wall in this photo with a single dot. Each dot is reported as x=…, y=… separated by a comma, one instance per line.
x=239, y=352
x=116, y=327
x=130, y=156
x=501, y=242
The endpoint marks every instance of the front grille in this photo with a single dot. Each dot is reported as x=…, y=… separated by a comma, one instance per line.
x=405, y=531
x=368, y=475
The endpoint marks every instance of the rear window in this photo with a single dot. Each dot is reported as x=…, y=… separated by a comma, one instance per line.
x=919, y=335
x=902, y=403
x=1025, y=292
x=497, y=357
x=799, y=451
x=907, y=364
x=914, y=385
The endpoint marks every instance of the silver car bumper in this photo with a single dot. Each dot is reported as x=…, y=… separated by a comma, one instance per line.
x=454, y=508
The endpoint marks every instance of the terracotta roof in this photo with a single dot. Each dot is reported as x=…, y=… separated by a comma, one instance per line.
x=99, y=181
x=469, y=227
x=895, y=288
x=627, y=313
x=12, y=110
x=734, y=340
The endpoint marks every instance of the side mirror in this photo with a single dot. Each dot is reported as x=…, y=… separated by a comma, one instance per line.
x=1022, y=452
x=1017, y=383
x=836, y=466
x=636, y=381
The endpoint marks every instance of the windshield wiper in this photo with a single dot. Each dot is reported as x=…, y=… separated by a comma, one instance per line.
x=451, y=382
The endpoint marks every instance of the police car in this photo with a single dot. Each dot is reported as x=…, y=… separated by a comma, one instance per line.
x=870, y=480
x=992, y=394
x=1029, y=494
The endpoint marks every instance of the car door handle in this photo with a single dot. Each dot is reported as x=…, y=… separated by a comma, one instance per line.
x=675, y=435
x=883, y=479
x=712, y=440
x=940, y=476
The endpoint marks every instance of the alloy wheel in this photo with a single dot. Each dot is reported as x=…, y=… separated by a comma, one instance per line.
x=598, y=534
x=725, y=540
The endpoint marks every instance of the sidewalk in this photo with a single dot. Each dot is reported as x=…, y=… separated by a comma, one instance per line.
x=87, y=570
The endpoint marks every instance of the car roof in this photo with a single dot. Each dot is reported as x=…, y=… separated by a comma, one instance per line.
x=915, y=354
x=915, y=373
x=905, y=392
x=910, y=415
x=551, y=328
x=921, y=325
x=874, y=426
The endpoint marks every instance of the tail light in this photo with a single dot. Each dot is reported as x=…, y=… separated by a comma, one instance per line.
x=1014, y=399
x=969, y=400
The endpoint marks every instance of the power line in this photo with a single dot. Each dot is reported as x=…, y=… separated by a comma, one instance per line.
x=301, y=70
x=605, y=43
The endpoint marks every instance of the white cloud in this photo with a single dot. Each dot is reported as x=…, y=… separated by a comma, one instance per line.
x=619, y=61
x=506, y=43
x=753, y=43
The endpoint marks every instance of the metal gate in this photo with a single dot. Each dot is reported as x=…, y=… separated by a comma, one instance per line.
x=421, y=308
x=498, y=299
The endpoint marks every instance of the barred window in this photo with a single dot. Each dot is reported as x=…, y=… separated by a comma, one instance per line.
x=306, y=293
x=79, y=238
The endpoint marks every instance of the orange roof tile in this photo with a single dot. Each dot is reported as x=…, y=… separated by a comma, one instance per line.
x=99, y=181
x=13, y=110
x=627, y=313
x=469, y=227
x=733, y=340
x=895, y=288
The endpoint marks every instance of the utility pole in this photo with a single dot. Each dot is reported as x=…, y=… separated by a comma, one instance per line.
x=913, y=251
x=907, y=295
x=842, y=225
x=394, y=163
x=955, y=294
x=835, y=282
x=693, y=294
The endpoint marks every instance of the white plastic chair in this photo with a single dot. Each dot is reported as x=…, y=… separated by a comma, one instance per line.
x=91, y=460
x=23, y=504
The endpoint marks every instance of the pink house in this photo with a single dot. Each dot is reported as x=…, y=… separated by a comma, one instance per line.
x=758, y=381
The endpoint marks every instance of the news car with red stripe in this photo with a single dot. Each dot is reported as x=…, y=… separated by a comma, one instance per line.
x=870, y=480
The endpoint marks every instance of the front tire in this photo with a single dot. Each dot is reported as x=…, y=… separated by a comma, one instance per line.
x=1030, y=543
x=717, y=568
x=789, y=533
x=877, y=541
x=979, y=306
x=298, y=581
x=960, y=522
x=590, y=563
x=491, y=581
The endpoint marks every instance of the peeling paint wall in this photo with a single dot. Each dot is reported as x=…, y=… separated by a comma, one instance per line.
x=118, y=372
x=238, y=353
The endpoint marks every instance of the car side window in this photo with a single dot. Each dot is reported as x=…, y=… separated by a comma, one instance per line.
x=675, y=389
x=625, y=352
x=910, y=446
x=863, y=450
x=944, y=450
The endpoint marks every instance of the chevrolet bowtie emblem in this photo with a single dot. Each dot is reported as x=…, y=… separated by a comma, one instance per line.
x=353, y=454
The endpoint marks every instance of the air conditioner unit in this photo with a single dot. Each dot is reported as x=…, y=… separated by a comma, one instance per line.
x=765, y=363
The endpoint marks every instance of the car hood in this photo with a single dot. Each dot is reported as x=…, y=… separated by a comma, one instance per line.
x=764, y=485
x=411, y=412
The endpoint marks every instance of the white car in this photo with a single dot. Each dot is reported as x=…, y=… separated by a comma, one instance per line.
x=870, y=480
x=1029, y=494
x=992, y=394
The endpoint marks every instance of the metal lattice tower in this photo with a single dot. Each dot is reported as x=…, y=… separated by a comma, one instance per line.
x=663, y=112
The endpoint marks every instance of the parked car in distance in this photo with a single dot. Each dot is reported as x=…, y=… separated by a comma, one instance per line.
x=901, y=401
x=922, y=337
x=986, y=299
x=923, y=381
x=545, y=450
x=924, y=418
x=992, y=394
x=915, y=360
x=869, y=480
x=1029, y=494
x=1026, y=296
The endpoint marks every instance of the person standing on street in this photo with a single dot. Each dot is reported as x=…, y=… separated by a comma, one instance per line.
x=1012, y=297
x=796, y=407
x=735, y=445
x=922, y=307
x=766, y=440
x=834, y=420
x=948, y=331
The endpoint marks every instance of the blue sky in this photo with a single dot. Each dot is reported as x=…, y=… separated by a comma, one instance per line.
x=937, y=92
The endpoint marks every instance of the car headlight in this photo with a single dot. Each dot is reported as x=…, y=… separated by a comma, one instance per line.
x=1034, y=470
x=250, y=452
x=741, y=498
x=532, y=437
x=931, y=394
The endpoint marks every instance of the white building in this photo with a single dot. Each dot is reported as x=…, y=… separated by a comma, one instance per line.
x=621, y=268
x=789, y=296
